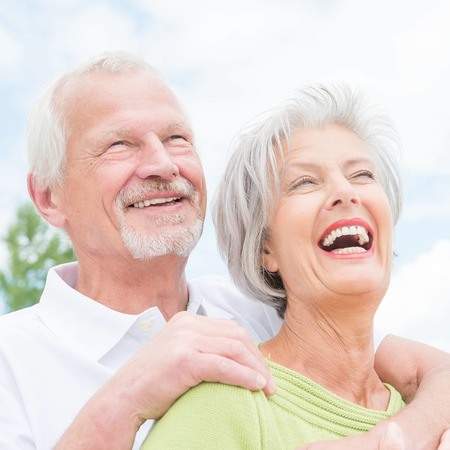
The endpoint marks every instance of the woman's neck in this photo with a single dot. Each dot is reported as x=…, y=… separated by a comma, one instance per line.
x=334, y=351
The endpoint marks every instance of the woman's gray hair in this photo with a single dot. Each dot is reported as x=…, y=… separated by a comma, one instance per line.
x=47, y=130
x=248, y=192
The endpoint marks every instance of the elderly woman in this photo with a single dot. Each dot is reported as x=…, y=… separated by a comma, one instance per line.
x=304, y=215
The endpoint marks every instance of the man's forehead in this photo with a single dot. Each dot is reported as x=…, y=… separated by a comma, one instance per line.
x=76, y=87
x=133, y=127
x=96, y=93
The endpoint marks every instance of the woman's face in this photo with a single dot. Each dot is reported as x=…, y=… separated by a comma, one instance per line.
x=331, y=232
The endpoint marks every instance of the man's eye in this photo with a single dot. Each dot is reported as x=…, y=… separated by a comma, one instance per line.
x=177, y=143
x=177, y=137
x=117, y=143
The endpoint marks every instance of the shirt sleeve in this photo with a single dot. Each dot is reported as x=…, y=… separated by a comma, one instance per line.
x=15, y=432
x=210, y=416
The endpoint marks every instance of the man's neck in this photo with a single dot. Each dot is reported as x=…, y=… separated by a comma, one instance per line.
x=133, y=286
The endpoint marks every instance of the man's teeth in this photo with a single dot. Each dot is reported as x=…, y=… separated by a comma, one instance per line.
x=361, y=232
x=155, y=201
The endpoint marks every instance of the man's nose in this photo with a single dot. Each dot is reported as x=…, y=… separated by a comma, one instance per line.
x=155, y=161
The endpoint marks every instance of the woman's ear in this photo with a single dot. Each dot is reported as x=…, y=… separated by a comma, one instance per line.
x=42, y=198
x=269, y=259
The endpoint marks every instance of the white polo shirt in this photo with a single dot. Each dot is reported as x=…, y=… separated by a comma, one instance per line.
x=55, y=355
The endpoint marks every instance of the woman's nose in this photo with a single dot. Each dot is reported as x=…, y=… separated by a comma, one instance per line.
x=343, y=193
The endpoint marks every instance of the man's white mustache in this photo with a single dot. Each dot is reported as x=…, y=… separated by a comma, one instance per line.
x=133, y=194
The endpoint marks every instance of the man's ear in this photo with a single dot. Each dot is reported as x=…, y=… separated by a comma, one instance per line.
x=42, y=198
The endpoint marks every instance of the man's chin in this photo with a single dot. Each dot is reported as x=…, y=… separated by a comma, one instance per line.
x=175, y=241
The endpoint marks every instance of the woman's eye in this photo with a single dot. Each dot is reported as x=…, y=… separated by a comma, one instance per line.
x=303, y=181
x=364, y=174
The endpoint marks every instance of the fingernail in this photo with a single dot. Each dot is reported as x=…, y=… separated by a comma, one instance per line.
x=260, y=381
x=271, y=385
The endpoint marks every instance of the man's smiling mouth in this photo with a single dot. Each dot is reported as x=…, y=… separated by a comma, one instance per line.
x=169, y=201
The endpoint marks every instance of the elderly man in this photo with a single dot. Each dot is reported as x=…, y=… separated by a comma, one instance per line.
x=118, y=336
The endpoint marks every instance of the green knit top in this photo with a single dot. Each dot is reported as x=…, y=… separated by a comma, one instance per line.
x=214, y=416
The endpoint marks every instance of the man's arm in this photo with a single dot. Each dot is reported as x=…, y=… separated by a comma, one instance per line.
x=189, y=350
x=422, y=374
x=445, y=441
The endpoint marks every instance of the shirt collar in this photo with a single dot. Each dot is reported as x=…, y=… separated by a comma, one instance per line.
x=79, y=321
x=200, y=305
x=91, y=327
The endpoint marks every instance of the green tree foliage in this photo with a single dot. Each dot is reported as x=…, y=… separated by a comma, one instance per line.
x=33, y=248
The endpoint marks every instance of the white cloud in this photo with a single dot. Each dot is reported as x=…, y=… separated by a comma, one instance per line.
x=420, y=47
x=437, y=209
x=417, y=304
x=98, y=27
x=9, y=56
x=427, y=199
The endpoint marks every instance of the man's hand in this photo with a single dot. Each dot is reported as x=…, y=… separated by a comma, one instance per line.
x=386, y=436
x=445, y=441
x=189, y=350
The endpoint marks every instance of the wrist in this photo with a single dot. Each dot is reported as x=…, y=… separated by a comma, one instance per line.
x=104, y=422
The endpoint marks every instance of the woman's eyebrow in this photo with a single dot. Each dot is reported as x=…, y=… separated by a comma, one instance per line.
x=304, y=165
x=317, y=165
x=362, y=160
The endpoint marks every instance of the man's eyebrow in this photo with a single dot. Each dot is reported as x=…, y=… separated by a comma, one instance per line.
x=178, y=125
x=126, y=132
x=120, y=133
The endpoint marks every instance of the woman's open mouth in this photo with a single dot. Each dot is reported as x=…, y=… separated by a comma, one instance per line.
x=347, y=240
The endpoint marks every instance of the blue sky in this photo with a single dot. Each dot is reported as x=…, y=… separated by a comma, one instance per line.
x=229, y=61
